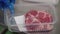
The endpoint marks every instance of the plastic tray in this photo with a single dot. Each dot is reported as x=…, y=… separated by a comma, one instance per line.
x=22, y=9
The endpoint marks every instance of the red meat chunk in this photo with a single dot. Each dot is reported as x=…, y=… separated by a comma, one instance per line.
x=38, y=18
x=33, y=12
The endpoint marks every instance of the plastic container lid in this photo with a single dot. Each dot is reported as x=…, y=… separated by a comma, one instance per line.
x=44, y=1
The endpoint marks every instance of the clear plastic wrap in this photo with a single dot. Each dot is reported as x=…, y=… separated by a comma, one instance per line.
x=18, y=23
x=23, y=9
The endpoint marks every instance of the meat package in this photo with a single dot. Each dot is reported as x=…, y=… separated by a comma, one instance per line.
x=38, y=20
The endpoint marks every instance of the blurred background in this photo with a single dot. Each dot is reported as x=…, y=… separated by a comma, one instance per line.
x=4, y=29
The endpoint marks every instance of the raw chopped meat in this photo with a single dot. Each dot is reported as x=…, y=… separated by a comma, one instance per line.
x=33, y=12
x=32, y=27
x=34, y=20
